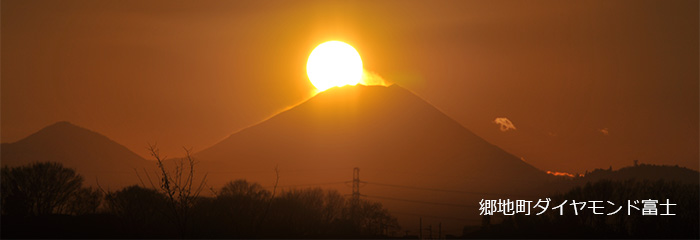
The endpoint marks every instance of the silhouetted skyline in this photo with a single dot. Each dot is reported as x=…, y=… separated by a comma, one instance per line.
x=347, y=119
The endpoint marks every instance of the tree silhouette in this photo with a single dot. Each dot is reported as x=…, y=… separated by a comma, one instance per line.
x=85, y=201
x=243, y=206
x=317, y=212
x=38, y=189
x=241, y=188
x=241, y=209
x=139, y=209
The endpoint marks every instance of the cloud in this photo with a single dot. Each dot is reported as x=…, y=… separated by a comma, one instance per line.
x=371, y=79
x=504, y=123
x=604, y=131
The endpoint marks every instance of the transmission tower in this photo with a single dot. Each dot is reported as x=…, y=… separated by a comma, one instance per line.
x=356, y=187
x=355, y=200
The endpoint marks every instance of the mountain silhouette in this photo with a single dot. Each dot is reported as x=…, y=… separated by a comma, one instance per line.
x=375, y=128
x=403, y=146
x=412, y=157
x=91, y=154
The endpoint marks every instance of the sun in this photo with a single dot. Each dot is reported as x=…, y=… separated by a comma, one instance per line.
x=332, y=64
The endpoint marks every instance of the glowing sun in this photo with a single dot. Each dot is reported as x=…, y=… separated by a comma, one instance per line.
x=334, y=64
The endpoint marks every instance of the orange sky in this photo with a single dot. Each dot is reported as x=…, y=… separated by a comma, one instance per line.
x=586, y=84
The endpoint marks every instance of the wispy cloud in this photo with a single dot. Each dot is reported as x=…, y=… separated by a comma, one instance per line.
x=504, y=123
x=565, y=174
x=604, y=131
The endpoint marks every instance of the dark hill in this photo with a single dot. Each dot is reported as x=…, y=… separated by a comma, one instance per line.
x=93, y=155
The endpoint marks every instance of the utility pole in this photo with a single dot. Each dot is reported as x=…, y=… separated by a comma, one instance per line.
x=381, y=228
x=430, y=231
x=420, y=228
x=355, y=192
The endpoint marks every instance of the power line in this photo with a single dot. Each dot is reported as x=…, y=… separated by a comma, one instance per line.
x=306, y=185
x=435, y=217
x=422, y=202
x=446, y=190
x=283, y=170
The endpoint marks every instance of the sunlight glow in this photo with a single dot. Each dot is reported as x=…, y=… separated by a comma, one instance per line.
x=334, y=64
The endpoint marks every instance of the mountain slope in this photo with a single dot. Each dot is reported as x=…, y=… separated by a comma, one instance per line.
x=413, y=158
x=93, y=155
x=385, y=131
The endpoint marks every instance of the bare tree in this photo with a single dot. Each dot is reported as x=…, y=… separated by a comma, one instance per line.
x=178, y=188
x=272, y=197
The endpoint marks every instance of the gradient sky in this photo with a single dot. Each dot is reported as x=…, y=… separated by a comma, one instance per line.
x=586, y=84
